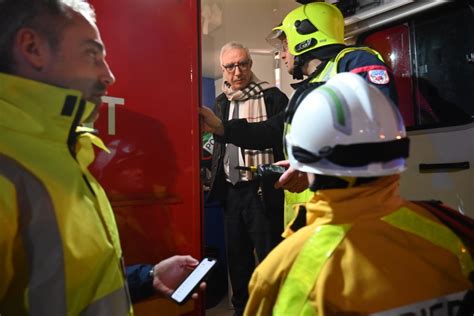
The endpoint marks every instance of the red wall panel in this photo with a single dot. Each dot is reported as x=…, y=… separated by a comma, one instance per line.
x=150, y=124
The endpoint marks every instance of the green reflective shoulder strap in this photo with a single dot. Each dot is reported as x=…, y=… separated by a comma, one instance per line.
x=293, y=296
x=440, y=235
x=327, y=72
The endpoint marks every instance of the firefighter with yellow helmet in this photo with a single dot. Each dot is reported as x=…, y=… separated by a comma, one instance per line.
x=311, y=41
x=361, y=248
x=313, y=31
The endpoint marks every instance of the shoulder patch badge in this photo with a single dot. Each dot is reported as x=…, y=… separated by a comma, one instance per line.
x=378, y=76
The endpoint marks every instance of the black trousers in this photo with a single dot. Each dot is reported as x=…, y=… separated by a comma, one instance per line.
x=248, y=226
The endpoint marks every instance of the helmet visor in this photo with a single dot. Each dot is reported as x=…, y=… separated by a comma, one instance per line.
x=275, y=39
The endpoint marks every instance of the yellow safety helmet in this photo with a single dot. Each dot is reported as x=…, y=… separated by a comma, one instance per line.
x=309, y=27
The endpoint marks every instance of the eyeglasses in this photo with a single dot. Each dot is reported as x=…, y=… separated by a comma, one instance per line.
x=243, y=65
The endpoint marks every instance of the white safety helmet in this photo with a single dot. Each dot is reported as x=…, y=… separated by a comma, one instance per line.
x=349, y=128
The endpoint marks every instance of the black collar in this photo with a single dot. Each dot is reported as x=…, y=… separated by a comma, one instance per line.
x=324, y=54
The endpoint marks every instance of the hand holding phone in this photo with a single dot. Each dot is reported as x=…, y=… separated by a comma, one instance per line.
x=182, y=293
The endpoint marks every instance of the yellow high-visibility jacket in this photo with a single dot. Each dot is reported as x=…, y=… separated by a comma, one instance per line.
x=60, y=252
x=365, y=250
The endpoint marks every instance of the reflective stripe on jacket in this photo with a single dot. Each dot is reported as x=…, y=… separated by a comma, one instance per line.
x=60, y=251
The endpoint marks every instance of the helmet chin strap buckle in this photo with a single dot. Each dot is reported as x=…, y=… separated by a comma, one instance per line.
x=297, y=73
x=324, y=182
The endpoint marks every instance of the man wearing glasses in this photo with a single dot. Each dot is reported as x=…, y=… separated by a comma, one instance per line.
x=311, y=42
x=253, y=214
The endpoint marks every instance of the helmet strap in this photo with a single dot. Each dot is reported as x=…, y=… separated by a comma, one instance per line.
x=300, y=61
x=324, y=182
x=356, y=155
x=322, y=53
x=326, y=52
x=298, y=69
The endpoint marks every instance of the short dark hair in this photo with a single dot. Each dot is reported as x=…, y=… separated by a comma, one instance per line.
x=47, y=17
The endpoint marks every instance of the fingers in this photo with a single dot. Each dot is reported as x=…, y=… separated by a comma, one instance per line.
x=206, y=128
x=186, y=261
x=164, y=290
x=211, y=122
x=205, y=115
x=204, y=111
x=202, y=287
x=298, y=184
x=189, y=262
x=285, y=178
x=286, y=175
x=292, y=180
x=283, y=163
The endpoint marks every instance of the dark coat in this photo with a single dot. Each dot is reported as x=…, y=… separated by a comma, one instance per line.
x=275, y=102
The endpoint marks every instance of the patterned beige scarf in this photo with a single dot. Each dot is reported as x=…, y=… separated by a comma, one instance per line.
x=251, y=107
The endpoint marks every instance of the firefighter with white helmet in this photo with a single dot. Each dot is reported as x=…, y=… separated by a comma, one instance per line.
x=360, y=248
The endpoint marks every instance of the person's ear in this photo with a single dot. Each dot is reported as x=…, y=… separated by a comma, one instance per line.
x=251, y=63
x=32, y=48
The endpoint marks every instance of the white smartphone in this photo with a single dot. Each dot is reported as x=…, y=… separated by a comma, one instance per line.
x=182, y=293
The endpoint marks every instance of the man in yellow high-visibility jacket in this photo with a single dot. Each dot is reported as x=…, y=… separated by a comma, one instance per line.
x=60, y=252
x=360, y=248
